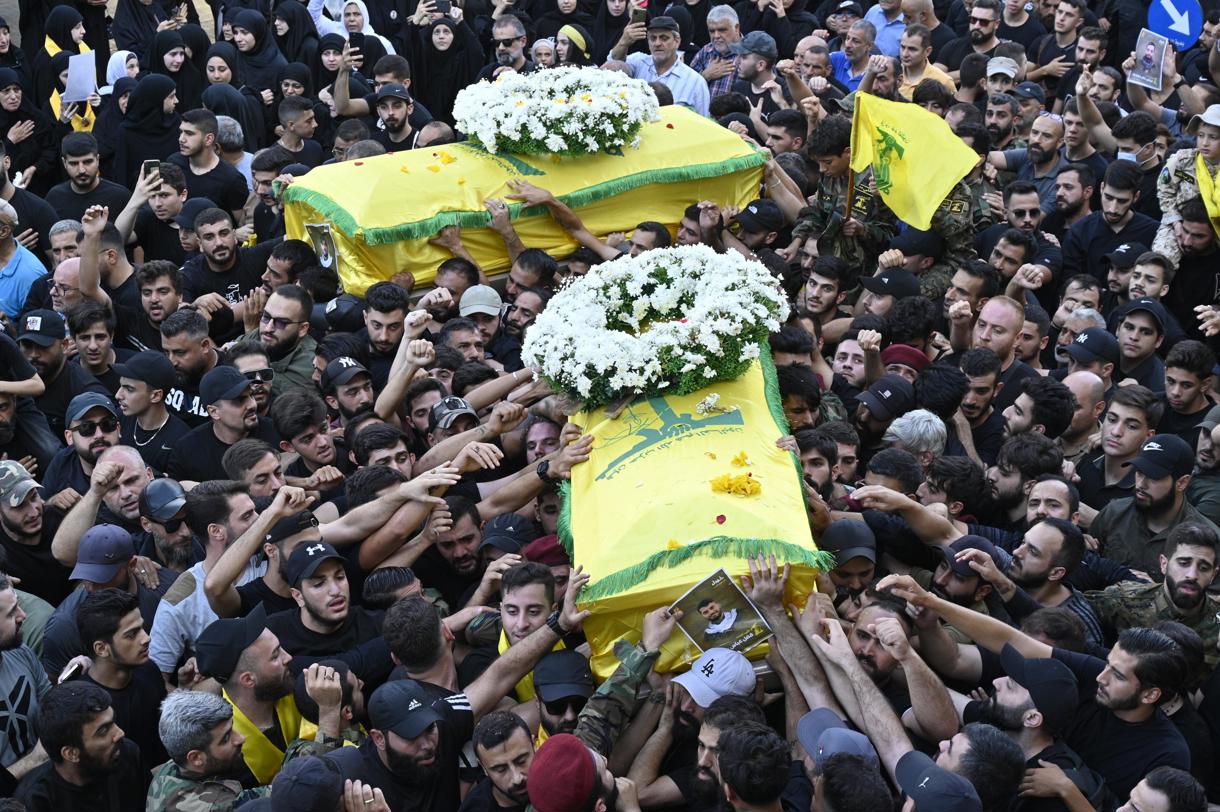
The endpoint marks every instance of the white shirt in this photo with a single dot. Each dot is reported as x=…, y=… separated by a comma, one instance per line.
x=184, y=613
x=687, y=86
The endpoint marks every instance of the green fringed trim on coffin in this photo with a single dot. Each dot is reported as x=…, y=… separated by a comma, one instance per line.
x=718, y=547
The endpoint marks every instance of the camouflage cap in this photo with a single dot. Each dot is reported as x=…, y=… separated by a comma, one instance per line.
x=15, y=483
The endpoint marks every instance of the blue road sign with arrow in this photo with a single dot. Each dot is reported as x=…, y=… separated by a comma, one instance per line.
x=1179, y=21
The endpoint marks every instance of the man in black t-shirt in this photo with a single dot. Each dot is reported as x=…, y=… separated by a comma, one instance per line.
x=233, y=416
x=325, y=623
x=207, y=175
x=43, y=338
x=85, y=186
x=148, y=218
x=185, y=340
x=145, y=379
x=223, y=274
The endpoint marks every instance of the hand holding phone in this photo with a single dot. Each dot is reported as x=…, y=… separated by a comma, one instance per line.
x=356, y=40
x=150, y=167
x=443, y=6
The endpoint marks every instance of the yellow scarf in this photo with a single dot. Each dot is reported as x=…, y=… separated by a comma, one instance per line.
x=1207, y=190
x=52, y=48
x=80, y=124
x=262, y=757
x=524, y=688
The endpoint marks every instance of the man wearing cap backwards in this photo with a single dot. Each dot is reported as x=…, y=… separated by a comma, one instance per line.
x=93, y=427
x=42, y=335
x=225, y=393
x=1134, y=531
x=662, y=62
x=145, y=380
x=481, y=304
x=1188, y=566
x=1115, y=727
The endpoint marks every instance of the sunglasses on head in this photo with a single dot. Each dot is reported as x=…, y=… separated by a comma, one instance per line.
x=260, y=375
x=90, y=427
x=558, y=707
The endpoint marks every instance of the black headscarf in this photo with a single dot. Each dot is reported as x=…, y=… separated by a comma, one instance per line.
x=607, y=29
x=197, y=43
x=297, y=73
x=109, y=119
x=58, y=28
x=323, y=78
x=300, y=44
x=226, y=100
x=261, y=66
x=40, y=149
x=553, y=19
x=447, y=71
x=135, y=25
x=187, y=80
x=228, y=52
x=147, y=132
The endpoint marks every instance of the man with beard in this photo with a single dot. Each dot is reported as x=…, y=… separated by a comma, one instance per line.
x=481, y=305
x=224, y=273
x=23, y=678
x=394, y=108
x=1002, y=111
x=386, y=308
x=1116, y=727
x=996, y=328
x=348, y=388
x=245, y=657
x=984, y=23
x=163, y=519
x=185, y=341
x=225, y=393
x=1135, y=531
x=819, y=457
x=85, y=186
x=1090, y=240
x=1197, y=269
x=93, y=426
x=563, y=683
x=505, y=751
x=530, y=302
x=283, y=328
x=250, y=358
x=1073, y=198
x=508, y=34
x=1189, y=567
x=27, y=547
x=1204, y=490
x=889, y=397
x=92, y=766
x=1022, y=459
x=715, y=62
x=756, y=57
x=42, y=336
x=114, y=635
x=1033, y=704
x=1041, y=162
x=145, y=381
x=205, y=752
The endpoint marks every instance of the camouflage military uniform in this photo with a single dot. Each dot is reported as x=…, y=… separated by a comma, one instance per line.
x=1130, y=604
x=982, y=215
x=823, y=219
x=172, y=791
x=953, y=221
x=1174, y=186
x=831, y=409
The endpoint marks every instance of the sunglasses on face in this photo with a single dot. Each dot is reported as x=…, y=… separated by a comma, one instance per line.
x=173, y=525
x=277, y=323
x=505, y=43
x=89, y=427
x=558, y=707
x=980, y=21
x=1021, y=214
x=260, y=375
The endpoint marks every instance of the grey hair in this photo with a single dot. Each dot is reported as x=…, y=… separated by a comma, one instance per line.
x=229, y=134
x=722, y=12
x=1089, y=313
x=187, y=721
x=7, y=210
x=867, y=27
x=365, y=149
x=65, y=226
x=918, y=431
x=510, y=21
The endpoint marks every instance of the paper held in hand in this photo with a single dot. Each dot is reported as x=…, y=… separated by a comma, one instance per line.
x=82, y=78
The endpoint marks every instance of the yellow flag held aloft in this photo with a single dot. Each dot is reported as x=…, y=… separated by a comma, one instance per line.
x=916, y=158
x=1208, y=191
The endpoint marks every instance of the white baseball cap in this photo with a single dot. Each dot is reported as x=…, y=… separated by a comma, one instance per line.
x=718, y=672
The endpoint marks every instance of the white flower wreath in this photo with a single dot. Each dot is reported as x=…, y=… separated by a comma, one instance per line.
x=566, y=111
x=670, y=320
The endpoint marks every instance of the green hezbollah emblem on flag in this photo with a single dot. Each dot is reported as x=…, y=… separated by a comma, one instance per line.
x=916, y=158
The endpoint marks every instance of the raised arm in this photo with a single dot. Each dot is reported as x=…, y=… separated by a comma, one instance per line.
x=932, y=529
x=93, y=221
x=83, y=514
x=531, y=195
x=345, y=105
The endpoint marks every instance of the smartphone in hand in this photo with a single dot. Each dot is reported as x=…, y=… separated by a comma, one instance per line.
x=356, y=41
x=150, y=167
x=442, y=6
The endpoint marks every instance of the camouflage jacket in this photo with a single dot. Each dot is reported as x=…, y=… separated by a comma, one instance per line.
x=172, y=791
x=981, y=212
x=1130, y=604
x=823, y=219
x=954, y=223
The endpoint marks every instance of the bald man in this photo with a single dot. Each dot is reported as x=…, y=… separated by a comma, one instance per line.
x=922, y=12
x=65, y=286
x=1090, y=393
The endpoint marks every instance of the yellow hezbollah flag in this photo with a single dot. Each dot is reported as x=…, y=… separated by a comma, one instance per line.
x=382, y=211
x=1207, y=190
x=643, y=518
x=916, y=158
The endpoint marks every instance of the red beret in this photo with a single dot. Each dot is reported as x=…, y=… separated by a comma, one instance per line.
x=546, y=550
x=562, y=776
x=906, y=355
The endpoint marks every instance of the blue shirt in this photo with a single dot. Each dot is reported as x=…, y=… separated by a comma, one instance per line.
x=889, y=32
x=688, y=87
x=16, y=278
x=842, y=71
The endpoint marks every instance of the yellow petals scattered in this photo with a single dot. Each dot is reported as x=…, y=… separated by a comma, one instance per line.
x=404, y=170
x=673, y=544
x=445, y=157
x=710, y=455
x=739, y=485
x=433, y=168
x=741, y=460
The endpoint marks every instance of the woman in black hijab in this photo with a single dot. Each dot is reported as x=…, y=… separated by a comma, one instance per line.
x=260, y=59
x=197, y=44
x=149, y=130
x=612, y=18
x=560, y=13
x=110, y=119
x=326, y=63
x=169, y=59
x=226, y=100
x=446, y=56
x=573, y=46
x=12, y=56
x=65, y=29
x=295, y=33
x=135, y=24
x=223, y=67
x=29, y=135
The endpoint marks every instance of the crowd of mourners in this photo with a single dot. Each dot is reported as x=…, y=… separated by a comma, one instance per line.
x=266, y=544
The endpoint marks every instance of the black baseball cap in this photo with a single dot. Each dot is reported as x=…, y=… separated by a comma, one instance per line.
x=394, y=90
x=1164, y=455
x=933, y=788
x=162, y=500
x=80, y=405
x=509, y=532
x=896, y=282
x=890, y=396
x=220, y=645
x=761, y=216
x=1051, y=684
x=1094, y=344
x=192, y=209
x=341, y=370
x=1124, y=256
x=847, y=7
x=561, y=674
x=966, y=543
x=1149, y=306
x=43, y=327
x=916, y=243
x=345, y=314
x=222, y=383
x=149, y=367
x=306, y=559
x=289, y=526
x=1029, y=90
x=848, y=540
x=402, y=706
x=307, y=784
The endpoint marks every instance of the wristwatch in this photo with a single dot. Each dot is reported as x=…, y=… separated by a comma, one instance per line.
x=543, y=471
